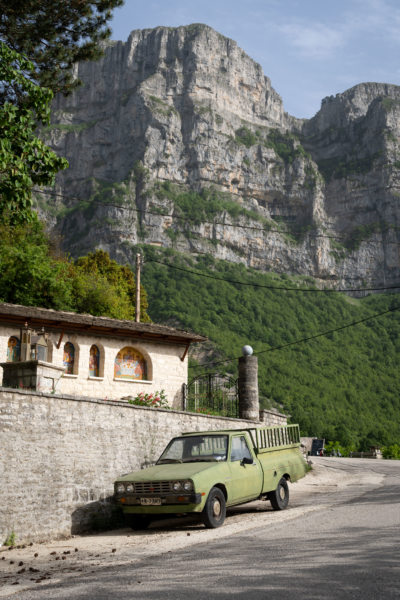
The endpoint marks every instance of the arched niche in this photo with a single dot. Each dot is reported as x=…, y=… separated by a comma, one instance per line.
x=13, y=349
x=131, y=364
x=71, y=358
x=96, y=361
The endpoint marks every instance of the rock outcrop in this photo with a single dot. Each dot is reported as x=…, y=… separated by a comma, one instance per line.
x=176, y=138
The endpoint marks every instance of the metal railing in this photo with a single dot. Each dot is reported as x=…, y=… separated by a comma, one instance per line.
x=283, y=436
x=212, y=394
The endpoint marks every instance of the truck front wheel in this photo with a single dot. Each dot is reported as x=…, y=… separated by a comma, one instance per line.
x=279, y=498
x=214, y=512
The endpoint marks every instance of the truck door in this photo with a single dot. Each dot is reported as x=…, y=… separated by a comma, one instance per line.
x=246, y=479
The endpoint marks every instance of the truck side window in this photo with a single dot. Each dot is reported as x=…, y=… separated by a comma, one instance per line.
x=239, y=449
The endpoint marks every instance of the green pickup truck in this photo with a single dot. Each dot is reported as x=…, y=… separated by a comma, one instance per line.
x=205, y=472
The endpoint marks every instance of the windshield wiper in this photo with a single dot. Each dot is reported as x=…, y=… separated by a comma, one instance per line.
x=169, y=460
x=200, y=459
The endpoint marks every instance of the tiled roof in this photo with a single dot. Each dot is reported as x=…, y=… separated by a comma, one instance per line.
x=63, y=320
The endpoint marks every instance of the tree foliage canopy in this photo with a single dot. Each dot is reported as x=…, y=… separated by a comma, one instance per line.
x=103, y=287
x=342, y=387
x=25, y=160
x=33, y=275
x=55, y=35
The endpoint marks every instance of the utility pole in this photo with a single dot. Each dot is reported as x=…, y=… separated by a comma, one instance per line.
x=137, y=311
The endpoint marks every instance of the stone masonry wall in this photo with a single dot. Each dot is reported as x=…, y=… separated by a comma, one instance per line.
x=59, y=456
x=272, y=418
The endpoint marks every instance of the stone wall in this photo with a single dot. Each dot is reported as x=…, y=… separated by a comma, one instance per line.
x=60, y=455
x=272, y=418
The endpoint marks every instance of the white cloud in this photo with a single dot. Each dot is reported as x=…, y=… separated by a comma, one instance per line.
x=313, y=40
x=374, y=17
x=318, y=39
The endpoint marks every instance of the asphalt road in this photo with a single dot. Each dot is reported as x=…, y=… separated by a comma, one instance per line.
x=349, y=547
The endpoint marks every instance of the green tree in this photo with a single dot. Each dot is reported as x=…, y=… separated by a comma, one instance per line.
x=342, y=387
x=392, y=451
x=34, y=274
x=29, y=273
x=25, y=160
x=103, y=287
x=55, y=35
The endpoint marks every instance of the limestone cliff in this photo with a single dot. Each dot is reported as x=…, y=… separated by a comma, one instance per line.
x=178, y=139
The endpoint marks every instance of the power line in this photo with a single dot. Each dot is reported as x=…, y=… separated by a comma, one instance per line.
x=272, y=287
x=302, y=340
x=306, y=339
x=325, y=290
x=266, y=229
x=180, y=218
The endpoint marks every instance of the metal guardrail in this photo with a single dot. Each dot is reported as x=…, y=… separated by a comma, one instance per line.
x=365, y=455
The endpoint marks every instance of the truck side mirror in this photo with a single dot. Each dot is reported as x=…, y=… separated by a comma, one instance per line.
x=246, y=461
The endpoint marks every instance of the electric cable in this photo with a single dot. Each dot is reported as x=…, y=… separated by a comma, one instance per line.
x=302, y=340
x=325, y=290
x=271, y=287
x=266, y=229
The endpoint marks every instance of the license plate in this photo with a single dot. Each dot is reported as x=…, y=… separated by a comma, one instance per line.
x=150, y=501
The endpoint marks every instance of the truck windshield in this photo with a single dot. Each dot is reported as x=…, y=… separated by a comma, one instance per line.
x=195, y=448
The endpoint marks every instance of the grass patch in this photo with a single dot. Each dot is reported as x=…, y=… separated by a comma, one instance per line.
x=205, y=205
x=341, y=167
x=69, y=127
x=162, y=108
x=246, y=137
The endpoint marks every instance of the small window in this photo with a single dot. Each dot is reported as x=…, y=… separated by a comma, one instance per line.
x=240, y=449
x=69, y=358
x=130, y=364
x=94, y=362
x=13, y=349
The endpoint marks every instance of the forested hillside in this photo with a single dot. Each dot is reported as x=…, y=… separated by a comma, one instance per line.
x=342, y=386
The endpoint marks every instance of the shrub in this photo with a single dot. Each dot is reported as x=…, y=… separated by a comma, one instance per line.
x=246, y=137
x=153, y=400
x=392, y=451
x=10, y=539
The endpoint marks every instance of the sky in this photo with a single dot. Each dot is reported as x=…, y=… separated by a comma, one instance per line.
x=309, y=49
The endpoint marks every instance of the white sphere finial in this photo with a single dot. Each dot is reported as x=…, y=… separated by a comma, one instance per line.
x=247, y=350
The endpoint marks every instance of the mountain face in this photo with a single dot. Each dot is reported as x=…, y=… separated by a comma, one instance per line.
x=176, y=138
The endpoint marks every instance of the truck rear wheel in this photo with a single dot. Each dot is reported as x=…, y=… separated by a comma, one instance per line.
x=214, y=512
x=279, y=498
x=137, y=522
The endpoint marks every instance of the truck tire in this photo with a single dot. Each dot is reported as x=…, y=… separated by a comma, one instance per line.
x=137, y=522
x=214, y=512
x=279, y=498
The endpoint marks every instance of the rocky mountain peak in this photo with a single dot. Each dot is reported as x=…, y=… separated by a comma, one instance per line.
x=177, y=138
x=353, y=104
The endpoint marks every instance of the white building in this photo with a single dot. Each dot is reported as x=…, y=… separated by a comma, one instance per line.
x=98, y=357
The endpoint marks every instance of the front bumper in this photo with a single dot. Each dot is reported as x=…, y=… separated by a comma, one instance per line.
x=169, y=503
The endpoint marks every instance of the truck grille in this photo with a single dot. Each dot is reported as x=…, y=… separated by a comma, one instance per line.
x=152, y=487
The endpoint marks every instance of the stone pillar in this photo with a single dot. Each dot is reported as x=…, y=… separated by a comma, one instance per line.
x=249, y=406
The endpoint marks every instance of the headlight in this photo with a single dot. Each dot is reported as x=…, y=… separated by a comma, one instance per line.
x=129, y=487
x=177, y=486
x=188, y=486
x=120, y=488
